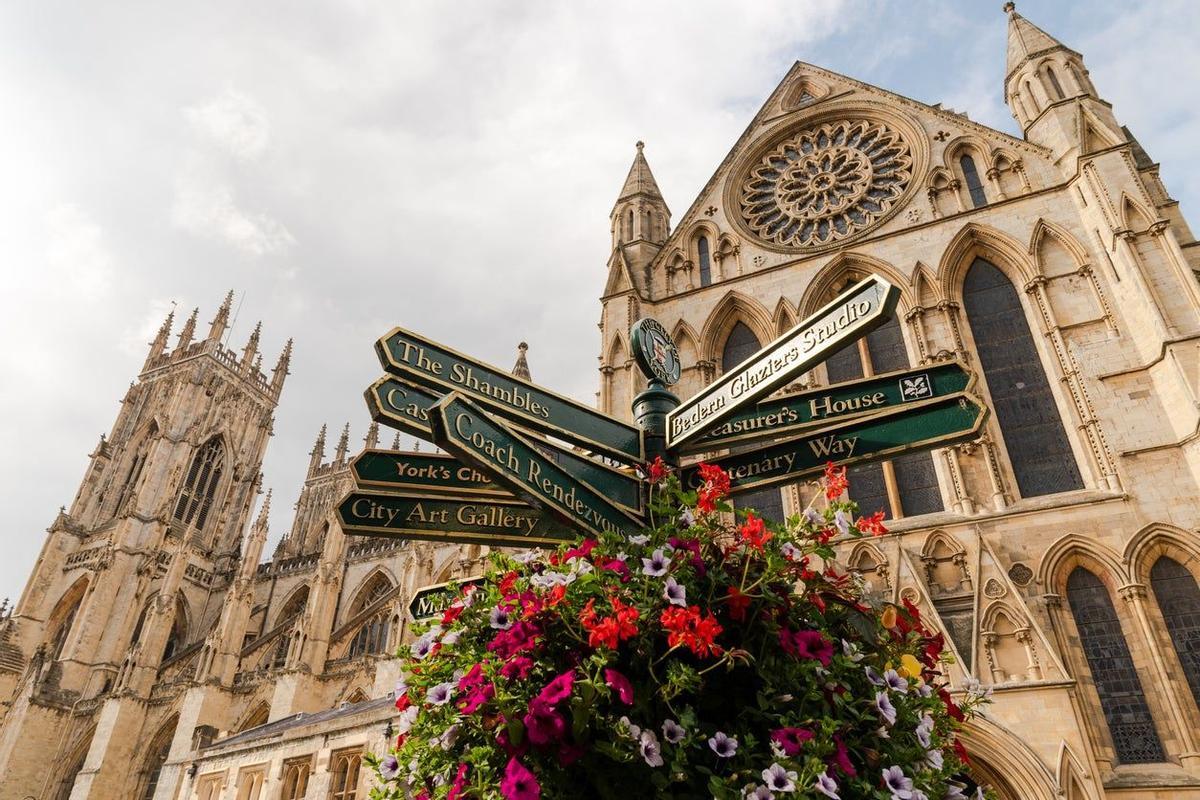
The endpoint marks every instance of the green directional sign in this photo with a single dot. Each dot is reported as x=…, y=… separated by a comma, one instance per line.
x=793, y=413
x=440, y=369
x=853, y=314
x=467, y=520
x=465, y=430
x=432, y=601
x=935, y=423
x=423, y=472
x=401, y=405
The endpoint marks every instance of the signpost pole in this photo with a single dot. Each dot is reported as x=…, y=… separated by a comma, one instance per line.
x=658, y=358
x=650, y=409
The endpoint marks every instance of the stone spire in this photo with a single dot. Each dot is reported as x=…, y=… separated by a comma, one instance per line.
x=639, y=222
x=220, y=322
x=521, y=368
x=371, y=440
x=640, y=180
x=280, y=373
x=1026, y=40
x=318, y=452
x=251, y=348
x=257, y=538
x=343, y=445
x=159, y=345
x=189, y=330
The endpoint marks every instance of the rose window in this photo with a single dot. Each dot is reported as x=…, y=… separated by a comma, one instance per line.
x=826, y=183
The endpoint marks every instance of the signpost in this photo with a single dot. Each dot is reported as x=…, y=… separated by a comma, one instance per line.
x=470, y=520
x=852, y=315
x=390, y=470
x=440, y=369
x=431, y=601
x=935, y=423
x=795, y=413
x=465, y=430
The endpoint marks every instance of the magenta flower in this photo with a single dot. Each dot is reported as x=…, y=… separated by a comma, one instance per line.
x=791, y=740
x=519, y=783
x=518, y=667
x=459, y=785
x=558, y=689
x=619, y=684
x=543, y=724
x=807, y=644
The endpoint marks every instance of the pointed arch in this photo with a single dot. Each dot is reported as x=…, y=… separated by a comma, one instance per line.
x=62, y=618
x=1074, y=550
x=1159, y=539
x=926, y=292
x=687, y=342
x=293, y=606
x=973, y=241
x=72, y=764
x=258, y=714
x=1071, y=776
x=1046, y=234
x=180, y=628
x=805, y=91
x=1135, y=216
x=355, y=696
x=618, y=351
x=733, y=308
x=1005, y=761
x=785, y=318
x=1095, y=134
x=377, y=583
x=852, y=266
x=998, y=608
x=202, y=482
x=939, y=544
x=155, y=756
x=865, y=556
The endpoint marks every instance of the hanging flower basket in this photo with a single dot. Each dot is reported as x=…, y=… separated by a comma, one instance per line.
x=705, y=656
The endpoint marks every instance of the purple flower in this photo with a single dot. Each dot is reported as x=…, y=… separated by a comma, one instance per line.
x=631, y=730
x=724, y=746
x=673, y=732
x=656, y=565
x=779, y=779
x=895, y=682
x=885, y=708
x=827, y=786
x=389, y=768
x=421, y=646
x=934, y=759
x=752, y=792
x=675, y=593
x=527, y=556
x=896, y=783
x=650, y=749
x=954, y=791
x=440, y=695
x=790, y=551
x=841, y=521
x=813, y=516
x=499, y=619
x=851, y=651
x=519, y=783
x=874, y=678
x=925, y=731
x=686, y=518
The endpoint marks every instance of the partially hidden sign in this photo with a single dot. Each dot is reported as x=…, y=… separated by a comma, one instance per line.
x=440, y=369
x=432, y=601
x=465, y=430
x=780, y=417
x=393, y=470
x=472, y=520
x=852, y=315
x=936, y=423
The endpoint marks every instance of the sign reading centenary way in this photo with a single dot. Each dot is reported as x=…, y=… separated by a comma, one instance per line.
x=505, y=484
x=935, y=423
x=853, y=314
x=794, y=413
x=439, y=368
x=432, y=601
x=465, y=430
x=471, y=520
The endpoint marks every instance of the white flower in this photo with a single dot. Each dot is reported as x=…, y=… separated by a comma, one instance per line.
x=440, y=695
x=779, y=779
x=895, y=682
x=813, y=516
x=752, y=792
x=650, y=749
x=827, y=786
x=790, y=551
x=675, y=593
x=724, y=746
x=451, y=638
x=407, y=718
x=527, y=556
x=686, y=518
x=896, y=783
x=673, y=732
x=851, y=651
x=934, y=759
x=389, y=768
x=631, y=730
x=885, y=708
x=498, y=618
x=657, y=564
x=639, y=539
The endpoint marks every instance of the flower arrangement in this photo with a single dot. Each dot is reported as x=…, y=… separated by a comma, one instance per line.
x=706, y=656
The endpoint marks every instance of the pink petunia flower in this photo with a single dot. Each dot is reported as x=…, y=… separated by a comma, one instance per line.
x=619, y=684
x=519, y=783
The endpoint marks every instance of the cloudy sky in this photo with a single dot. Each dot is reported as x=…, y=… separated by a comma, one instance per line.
x=349, y=166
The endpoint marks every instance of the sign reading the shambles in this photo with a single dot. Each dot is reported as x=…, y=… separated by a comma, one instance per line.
x=432, y=601
x=795, y=413
x=853, y=314
x=462, y=428
x=936, y=423
x=497, y=522
x=440, y=369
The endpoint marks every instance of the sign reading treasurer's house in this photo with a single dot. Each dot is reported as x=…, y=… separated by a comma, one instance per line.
x=506, y=484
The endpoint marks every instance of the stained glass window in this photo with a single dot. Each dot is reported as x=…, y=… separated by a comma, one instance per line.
x=1179, y=600
x=740, y=345
x=974, y=185
x=200, y=487
x=1038, y=449
x=1129, y=722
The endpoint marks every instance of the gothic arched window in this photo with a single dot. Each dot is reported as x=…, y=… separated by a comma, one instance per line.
x=1038, y=449
x=1033, y=103
x=740, y=345
x=1179, y=600
x=344, y=765
x=295, y=778
x=1054, y=82
x=158, y=751
x=1117, y=683
x=704, y=259
x=974, y=184
x=907, y=485
x=372, y=637
x=200, y=486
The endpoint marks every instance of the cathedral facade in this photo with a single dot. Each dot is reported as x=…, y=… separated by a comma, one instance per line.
x=152, y=655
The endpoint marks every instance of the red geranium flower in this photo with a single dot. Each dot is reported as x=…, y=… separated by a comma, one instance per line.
x=754, y=532
x=738, y=603
x=658, y=470
x=835, y=481
x=872, y=524
x=716, y=487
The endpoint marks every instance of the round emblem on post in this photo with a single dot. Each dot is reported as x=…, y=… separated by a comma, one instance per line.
x=654, y=351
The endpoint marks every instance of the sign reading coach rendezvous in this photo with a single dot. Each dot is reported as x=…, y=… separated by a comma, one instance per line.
x=856, y=312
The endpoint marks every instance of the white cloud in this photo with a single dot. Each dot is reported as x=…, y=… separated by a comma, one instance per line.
x=204, y=205
x=234, y=122
x=76, y=253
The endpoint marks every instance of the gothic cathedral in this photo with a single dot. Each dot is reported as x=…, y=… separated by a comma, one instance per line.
x=152, y=656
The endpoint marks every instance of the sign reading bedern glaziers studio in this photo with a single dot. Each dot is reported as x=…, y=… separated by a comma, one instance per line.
x=852, y=315
x=437, y=367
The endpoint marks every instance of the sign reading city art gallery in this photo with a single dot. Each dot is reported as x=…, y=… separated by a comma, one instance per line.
x=464, y=429
x=489, y=521
x=426, y=472
x=440, y=369
x=401, y=405
x=852, y=315
x=936, y=423
x=794, y=413
x=432, y=601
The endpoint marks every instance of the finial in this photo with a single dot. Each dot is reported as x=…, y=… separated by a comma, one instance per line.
x=1010, y=7
x=640, y=145
x=264, y=512
x=416, y=445
x=521, y=368
x=343, y=445
x=396, y=441
x=372, y=438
